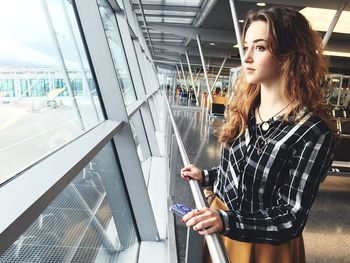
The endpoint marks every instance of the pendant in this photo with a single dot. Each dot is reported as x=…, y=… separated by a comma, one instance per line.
x=265, y=126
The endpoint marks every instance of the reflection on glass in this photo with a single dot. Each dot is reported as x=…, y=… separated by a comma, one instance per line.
x=89, y=221
x=47, y=94
x=335, y=89
x=117, y=50
x=139, y=135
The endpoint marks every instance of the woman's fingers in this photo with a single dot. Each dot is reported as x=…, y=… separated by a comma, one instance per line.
x=190, y=215
x=205, y=221
x=208, y=231
x=191, y=171
x=186, y=172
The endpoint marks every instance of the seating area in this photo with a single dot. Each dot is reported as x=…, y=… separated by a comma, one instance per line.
x=217, y=107
x=341, y=112
x=341, y=120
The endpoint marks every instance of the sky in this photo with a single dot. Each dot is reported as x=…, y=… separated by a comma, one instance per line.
x=25, y=37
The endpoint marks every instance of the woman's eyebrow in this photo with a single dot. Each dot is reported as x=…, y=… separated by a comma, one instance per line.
x=256, y=40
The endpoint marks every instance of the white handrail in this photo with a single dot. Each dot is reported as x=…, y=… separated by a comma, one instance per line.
x=214, y=242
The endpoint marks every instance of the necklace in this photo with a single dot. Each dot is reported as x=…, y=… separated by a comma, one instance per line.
x=260, y=146
x=265, y=125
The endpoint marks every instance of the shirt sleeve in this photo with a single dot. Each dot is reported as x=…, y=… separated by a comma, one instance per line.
x=310, y=160
x=210, y=176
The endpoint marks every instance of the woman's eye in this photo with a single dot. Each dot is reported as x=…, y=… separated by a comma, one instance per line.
x=245, y=48
x=260, y=48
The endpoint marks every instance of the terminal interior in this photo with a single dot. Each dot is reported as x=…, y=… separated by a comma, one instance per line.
x=102, y=102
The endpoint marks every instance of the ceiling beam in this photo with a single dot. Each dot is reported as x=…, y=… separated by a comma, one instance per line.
x=206, y=34
x=116, y=7
x=168, y=8
x=304, y=3
x=338, y=45
x=168, y=58
x=179, y=16
x=207, y=52
x=206, y=8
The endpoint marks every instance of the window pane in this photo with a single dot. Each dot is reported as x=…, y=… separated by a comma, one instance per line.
x=47, y=94
x=90, y=221
x=117, y=50
x=172, y=2
x=139, y=135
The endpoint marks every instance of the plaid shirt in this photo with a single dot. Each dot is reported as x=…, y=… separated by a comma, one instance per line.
x=270, y=195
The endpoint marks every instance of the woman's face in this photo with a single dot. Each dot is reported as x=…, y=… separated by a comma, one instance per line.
x=260, y=66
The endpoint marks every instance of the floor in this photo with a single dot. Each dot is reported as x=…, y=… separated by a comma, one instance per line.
x=327, y=234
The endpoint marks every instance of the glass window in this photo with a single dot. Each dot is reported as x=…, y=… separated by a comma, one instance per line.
x=166, y=12
x=139, y=135
x=117, y=50
x=7, y=88
x=172, y=2
x=178, y=20
x=89, y=221
x=47, y=94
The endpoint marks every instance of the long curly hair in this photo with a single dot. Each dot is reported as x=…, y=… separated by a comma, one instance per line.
x=303, y=70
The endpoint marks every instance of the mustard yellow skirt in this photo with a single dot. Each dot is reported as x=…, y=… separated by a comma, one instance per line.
x=242, y=252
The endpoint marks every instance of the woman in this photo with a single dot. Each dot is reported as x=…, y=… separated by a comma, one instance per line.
x=277, y=147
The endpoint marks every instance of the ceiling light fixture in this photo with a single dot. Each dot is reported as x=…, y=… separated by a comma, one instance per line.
x=320, y=19
x=212, y=44
x=336, y=54
x=241, y=21
x=260, y=4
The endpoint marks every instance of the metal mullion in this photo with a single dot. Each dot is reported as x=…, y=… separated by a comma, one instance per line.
x=112, y=100
x=60, y=57
x=134, y=107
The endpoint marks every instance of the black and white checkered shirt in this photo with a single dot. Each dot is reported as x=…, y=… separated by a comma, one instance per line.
x=270, y=195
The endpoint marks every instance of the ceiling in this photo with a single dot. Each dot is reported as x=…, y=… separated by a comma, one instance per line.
x=170, y=28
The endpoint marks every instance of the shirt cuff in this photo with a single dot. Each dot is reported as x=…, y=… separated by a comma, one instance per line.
x=205, y=177
x=225, y=224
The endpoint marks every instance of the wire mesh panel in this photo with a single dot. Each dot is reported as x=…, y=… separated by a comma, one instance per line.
x=87, y=222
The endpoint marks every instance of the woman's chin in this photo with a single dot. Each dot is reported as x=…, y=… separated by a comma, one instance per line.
x=251, y=81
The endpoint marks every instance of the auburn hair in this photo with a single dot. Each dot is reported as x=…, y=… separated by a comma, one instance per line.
x=303, y=70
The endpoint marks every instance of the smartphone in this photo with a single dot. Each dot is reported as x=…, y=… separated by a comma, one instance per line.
x=180, y=209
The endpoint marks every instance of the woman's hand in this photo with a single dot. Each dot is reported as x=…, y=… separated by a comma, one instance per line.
x=191, y=171
x=204, y=220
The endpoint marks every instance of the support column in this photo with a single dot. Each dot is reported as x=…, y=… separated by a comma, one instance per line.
x=217, y=76
x=178, y=74
x=237, y=29
x=199, y=84
x=210, y=96
x=333, y=23
x=190, y=70
x=183, y=75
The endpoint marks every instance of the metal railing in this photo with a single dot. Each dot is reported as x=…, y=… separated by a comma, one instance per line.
x=215, y=245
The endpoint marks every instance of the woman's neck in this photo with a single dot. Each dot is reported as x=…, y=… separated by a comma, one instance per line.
x=271, y=100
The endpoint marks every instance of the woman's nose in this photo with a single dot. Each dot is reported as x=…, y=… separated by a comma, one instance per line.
x=247, y=56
